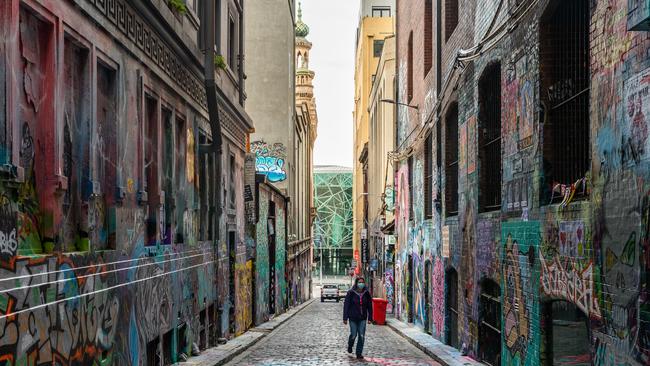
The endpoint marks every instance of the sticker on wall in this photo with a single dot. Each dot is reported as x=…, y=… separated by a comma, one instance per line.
x=446, y=238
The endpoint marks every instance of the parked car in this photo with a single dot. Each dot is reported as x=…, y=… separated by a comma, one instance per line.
x=343, y=290
x=329, y=292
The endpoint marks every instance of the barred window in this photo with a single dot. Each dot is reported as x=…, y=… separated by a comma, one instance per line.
x=564, y=73
x=451, y=161
x=451, y=17
x=489, y=140
x=428, y=36
x=428, y=178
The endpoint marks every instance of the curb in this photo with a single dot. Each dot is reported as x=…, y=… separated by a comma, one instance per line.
x=419, y=346
x=436, y=357
x=264, y=331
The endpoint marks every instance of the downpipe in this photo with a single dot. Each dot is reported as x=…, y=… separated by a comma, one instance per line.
x=215, y=147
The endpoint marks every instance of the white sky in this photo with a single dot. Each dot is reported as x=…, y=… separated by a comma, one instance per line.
x=333, y=28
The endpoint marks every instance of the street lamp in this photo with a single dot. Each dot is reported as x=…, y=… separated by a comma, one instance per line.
x=398, y=103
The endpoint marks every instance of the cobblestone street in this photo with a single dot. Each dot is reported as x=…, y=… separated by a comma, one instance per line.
x=317, y=336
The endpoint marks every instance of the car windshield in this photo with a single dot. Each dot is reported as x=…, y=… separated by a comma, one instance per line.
x=329, y=286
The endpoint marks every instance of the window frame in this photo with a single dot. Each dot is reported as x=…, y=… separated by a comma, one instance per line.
x=451, y=160
x=490, y=138
x=381, y=11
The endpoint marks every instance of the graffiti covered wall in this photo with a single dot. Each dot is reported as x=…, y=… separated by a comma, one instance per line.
x=587, y=250
x=107, y=245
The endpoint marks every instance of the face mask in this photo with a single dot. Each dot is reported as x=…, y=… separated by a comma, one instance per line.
x=361, y=285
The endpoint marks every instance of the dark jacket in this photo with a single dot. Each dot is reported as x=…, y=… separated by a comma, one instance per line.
x=357, y=306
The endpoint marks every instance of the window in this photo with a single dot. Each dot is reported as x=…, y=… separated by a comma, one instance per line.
x=204, y=187
x=179, y=172
x=232, y=43
x=168, y=178
x=451, y=17
x=151, y=169
x=565, y=78
x=378, y=46
x=489, y=139
x=409, y=75
x=231, y=185
x=106, y=153
x=76, y=154
x=428, y=36
x=428, y=178
x=451, y=161
x=380, y=11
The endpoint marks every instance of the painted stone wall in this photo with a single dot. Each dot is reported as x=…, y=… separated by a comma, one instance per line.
x=107, y=254
x=263, y=232
x=591, y=253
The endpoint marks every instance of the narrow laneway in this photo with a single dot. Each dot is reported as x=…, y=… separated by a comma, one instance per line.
x=316, y=336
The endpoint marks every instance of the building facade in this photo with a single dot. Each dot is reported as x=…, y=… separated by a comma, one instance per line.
x=271, y=103
x=280, y=100
x=381, y=143
x=112, y=251
x=521, y=183
x=376, y=22
x=306, y=128
x=333, y=223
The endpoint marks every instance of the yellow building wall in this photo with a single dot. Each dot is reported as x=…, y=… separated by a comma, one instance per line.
x=370, y=29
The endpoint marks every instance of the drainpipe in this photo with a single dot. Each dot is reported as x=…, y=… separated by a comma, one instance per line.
x=214, y=148
x=242, y=75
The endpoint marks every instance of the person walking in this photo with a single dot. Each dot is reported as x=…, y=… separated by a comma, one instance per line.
x=357, y=310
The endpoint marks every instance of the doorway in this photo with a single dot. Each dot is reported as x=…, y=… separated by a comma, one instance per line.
x=451, y=308
x=489, y=342
x=272, y=274
x=232, y=261
x=427, y=297
x=567, y=334
x=409, y=289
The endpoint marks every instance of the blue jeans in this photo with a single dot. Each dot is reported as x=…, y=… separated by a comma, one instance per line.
x=357, y=328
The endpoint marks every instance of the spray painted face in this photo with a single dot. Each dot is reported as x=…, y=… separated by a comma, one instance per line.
x=621, y=262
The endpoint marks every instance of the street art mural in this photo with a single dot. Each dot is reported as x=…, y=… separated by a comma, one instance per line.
x=520, y=284
x=280, y=259
x=389, y=283
x=567, y=268
x=438, y=293
x=271, y=160
x=262, y=273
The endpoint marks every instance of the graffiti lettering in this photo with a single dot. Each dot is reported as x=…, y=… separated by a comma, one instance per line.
x=570, y=283
x=8, y=243
x=270, y=160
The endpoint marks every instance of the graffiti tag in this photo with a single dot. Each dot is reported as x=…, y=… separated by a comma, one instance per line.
x=571, y=284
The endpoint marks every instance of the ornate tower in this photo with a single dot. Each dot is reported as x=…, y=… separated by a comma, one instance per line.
x=304, y=76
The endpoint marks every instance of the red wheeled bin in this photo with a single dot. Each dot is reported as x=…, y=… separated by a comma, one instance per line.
x=379, y=310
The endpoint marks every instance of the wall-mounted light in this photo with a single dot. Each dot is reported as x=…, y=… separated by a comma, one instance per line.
x=398, y=103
